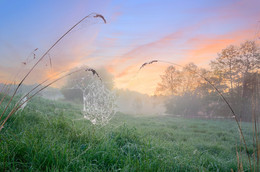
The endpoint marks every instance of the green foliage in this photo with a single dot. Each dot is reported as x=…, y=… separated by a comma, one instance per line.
x=47, y=136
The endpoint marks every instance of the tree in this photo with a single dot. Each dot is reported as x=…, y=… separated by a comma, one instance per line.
x=249, y=57
x=249, y=62
x=237, y=66
x=226, y=65
x=179, y=82
x=186, y=105
x=169, y=82
x=183, y=88
x=190, y=78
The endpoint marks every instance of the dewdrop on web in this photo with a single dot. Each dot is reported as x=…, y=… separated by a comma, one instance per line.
x=99, y=103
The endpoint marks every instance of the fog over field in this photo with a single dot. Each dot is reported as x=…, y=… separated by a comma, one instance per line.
x=129, y=85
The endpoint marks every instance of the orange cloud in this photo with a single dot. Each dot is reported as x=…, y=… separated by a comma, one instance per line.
x=200, y=50
x=206, y=48
x=144, y=81
x=131, y=60
x=144, y=50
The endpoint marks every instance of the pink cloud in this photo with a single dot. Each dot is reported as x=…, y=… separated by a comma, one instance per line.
x=206, y=48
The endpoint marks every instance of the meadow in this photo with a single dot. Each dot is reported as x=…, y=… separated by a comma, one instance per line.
x=52, y=136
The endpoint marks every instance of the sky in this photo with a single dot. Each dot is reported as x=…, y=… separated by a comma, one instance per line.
x=136, y=31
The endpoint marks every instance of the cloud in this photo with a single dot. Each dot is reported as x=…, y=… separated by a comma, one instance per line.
x=121, y=65
x=241, y=10
x=198, y=39
x=181, y=45
x=144, y=81
x=205, y=48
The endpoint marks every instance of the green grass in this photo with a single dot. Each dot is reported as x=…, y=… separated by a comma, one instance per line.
x=47, y=136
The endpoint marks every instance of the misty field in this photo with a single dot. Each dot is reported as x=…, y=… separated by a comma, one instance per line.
x=48, y=136
x=130, y=86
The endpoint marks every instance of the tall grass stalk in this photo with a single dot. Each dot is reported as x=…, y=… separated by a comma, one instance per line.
x=94, y=15
x=219, y=93
x=4, y=92
x=37, y=86
x=18, y=105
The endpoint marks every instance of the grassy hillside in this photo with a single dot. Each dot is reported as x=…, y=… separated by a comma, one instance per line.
x=49, y=136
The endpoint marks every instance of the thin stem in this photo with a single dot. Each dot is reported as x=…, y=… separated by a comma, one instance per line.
x=221, y=95
x=19, y=85
x=29, y=98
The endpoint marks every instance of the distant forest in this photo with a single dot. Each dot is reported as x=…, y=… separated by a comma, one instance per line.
x=235, y=72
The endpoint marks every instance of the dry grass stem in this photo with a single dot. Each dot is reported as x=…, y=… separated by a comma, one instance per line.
x=94, y=15
x=219, y=93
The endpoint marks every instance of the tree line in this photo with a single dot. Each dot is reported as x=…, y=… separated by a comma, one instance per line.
x=235, y=72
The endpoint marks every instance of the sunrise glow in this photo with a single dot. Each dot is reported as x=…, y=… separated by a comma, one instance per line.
x=136, y=32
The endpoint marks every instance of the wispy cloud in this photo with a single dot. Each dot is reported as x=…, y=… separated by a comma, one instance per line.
x=132, y=36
